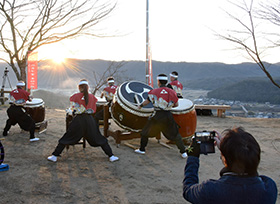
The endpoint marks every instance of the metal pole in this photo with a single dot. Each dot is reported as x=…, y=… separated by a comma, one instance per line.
x=147, y=43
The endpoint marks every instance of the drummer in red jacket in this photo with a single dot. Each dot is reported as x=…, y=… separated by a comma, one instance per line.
x=175, y=84
x=110, y=90
x=16, y=113
x=108, y=93
x=163, y=100
x=83, y=105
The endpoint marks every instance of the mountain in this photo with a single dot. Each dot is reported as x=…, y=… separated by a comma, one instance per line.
x=53, y=75
x=218, y=77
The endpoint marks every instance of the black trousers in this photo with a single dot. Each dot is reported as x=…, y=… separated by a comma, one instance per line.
x=17, y=115
x=164, y=122
x=83, y=125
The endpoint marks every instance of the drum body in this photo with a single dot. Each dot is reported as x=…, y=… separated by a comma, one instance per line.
x=100, y=104
x=36, y=109
x=185, y=117
x=124, y=108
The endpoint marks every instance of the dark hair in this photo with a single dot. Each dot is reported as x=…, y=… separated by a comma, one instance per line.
x=241, y=151
x=110, y=78
x=162, y=82
x=84, y=89
x=174, y=73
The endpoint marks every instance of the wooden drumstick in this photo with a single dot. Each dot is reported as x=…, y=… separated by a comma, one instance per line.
x=137, y=100
x=129, y=145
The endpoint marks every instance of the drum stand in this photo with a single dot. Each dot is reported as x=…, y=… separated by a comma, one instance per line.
x=119, y=135
x=41, y=127
x=2, y=97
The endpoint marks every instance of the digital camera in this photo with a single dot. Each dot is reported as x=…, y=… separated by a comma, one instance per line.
x=206, y=140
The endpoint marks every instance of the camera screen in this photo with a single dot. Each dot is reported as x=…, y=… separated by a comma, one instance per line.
x=206, y=140
x=202, y=134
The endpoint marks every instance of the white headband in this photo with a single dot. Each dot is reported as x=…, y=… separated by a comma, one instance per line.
x=172, y=75
x=162, y=78
x=111, y=81
x=21, y=83
x=83, y=82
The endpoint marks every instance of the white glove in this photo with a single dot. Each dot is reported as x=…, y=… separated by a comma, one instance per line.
x=69, y=111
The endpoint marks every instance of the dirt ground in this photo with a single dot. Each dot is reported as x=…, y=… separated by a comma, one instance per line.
x=86, y=175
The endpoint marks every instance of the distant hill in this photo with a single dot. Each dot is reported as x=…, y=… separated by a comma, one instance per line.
x=193, y=75
x=51, y=99
x=249, y=90
x=206, y=76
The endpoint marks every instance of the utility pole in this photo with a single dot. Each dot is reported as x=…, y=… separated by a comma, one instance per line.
x=147, y=43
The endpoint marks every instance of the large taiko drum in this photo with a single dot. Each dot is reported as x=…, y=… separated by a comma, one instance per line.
x=124, y=109
x=185, y=116
x=36, y=109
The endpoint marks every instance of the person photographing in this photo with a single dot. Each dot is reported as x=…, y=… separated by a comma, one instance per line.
x=239, y=180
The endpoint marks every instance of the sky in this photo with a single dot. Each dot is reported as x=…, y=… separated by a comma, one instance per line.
x=179, y=30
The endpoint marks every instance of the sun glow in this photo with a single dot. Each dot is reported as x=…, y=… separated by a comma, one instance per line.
x=58, y=59
x=55, y=52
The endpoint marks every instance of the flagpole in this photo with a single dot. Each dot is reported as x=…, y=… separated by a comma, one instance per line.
x=147, y=42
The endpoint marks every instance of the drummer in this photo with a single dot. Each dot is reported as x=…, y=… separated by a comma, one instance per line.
x=108, y=92
x=83, y=105
x=163, y=100
x=175, y=84
x=17, y=114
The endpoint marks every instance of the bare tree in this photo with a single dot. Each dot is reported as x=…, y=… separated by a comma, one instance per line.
x=113, y=70
x=28, y=25
x=247, y=37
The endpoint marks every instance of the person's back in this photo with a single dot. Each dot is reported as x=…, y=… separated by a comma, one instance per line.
x=239, y=181
x=163, y=98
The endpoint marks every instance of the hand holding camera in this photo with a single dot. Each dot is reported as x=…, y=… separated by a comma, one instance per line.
x=194, y=148
x=204, y=143
x=217, y=138
x=206, y=140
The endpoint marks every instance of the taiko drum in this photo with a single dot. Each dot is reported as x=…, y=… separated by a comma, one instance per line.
x=185, y=116
x=36, y=109
x=124, y=108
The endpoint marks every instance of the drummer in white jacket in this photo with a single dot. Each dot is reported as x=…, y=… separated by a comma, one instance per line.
x=17, y=115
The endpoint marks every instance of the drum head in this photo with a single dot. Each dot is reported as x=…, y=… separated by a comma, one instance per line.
x=124, y=109
x=184, y=106
x=36, y=102
x=133, y=93
x=100, y=101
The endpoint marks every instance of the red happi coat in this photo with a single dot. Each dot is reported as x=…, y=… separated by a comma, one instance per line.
x=163, y=98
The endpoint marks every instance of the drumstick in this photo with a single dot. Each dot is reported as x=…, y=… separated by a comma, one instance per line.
x=2, y=138
x=137, y=100
x=165, y=145
x=129, y=145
